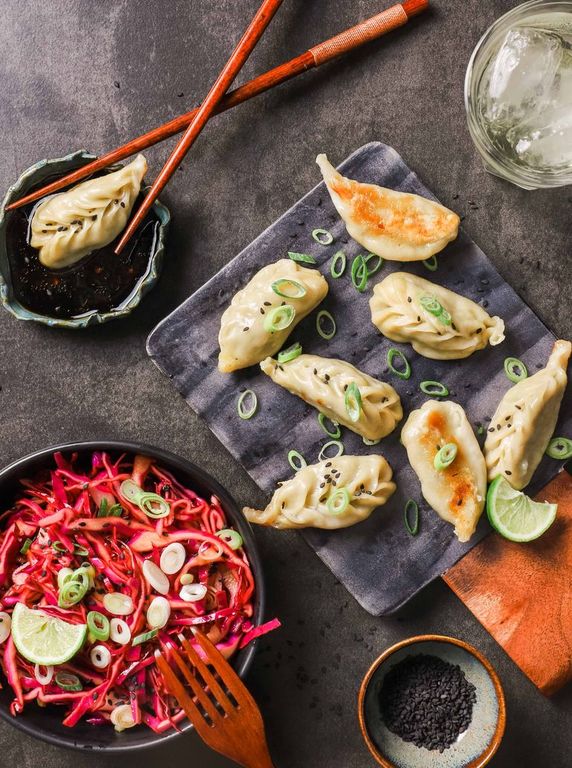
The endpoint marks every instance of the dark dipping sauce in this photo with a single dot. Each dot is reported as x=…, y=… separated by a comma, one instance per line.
x=99, y=282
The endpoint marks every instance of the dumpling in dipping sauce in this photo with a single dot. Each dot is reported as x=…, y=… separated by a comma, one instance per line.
x=262, y=315
x=437, y=322
x=70, y=225
x=335, y=493
x=341, y=392
x=525, y=419
x=456, y=492
x=397, y=226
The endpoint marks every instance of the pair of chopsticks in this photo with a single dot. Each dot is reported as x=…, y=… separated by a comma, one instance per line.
x=218, y=100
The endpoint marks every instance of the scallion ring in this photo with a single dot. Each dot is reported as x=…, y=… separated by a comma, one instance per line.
x=64, y=574
x=144, y=637
x=377, y=266
x=25, y=546
x=43, y=674
x=431, y=264
x=279, y=318
x=367, y=441
x=210, y=551
x=119, y=631
x=80, y=551
x=352, y=401
x=244, y=410
x=304, y=258
x=57, y=546
x=323, y=314
x=403, y=373
x=118, y=604
x=73, y=590
x=326, y=447
x=296, y=460
x=154, y=506
x=515, y=369
x=559, y=448
x=231, y=538
x=100, y=656
x=411, y=517
x=445, y=456
x=192, y=593
x=434, y=388
x=338, y=265
x=431, y=304
x=5, y=626
x=322, y=236
x=291, y=353
x=338, y=501
x=335, y=432
x=68, y=682
x=359, y=273
x=98, y=625
x=131, y=491
x=289, y=289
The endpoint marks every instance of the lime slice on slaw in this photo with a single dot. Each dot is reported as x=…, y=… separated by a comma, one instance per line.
x=516, y=516
x=43, y=639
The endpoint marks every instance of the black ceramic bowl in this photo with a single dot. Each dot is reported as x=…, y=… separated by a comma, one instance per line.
x=46, y=723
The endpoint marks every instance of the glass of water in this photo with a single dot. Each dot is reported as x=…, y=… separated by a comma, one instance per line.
x=518, y=95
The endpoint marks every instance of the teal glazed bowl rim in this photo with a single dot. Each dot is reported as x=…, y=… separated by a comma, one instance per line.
x=46, y=723
x=36, y=174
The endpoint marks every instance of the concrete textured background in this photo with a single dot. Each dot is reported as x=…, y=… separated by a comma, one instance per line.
x=90, y=73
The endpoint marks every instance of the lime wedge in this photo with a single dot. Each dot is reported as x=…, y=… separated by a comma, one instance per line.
x=516, y=516
x=43, y=639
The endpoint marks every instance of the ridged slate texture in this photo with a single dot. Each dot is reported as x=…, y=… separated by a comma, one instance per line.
x=377, y=561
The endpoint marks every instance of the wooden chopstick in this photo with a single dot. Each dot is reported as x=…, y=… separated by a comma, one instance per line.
x=368, y=30
x=238, y=57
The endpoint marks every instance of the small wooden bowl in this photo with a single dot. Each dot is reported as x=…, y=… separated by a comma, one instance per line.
x=480, y=741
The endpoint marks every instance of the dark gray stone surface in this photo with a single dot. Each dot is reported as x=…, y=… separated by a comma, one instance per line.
x=59, y=63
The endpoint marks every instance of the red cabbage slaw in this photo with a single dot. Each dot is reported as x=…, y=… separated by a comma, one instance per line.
x=70, y=517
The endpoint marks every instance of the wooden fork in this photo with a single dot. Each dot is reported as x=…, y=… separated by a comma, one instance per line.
x=223, y=712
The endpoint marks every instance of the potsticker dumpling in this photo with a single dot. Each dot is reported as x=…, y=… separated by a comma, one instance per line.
x=360, y=484
x=262, y=315
x=458, y=492
x=524, y=421
x=397, y=226
x=327, y=384
x=437, y=322
x=70, y=225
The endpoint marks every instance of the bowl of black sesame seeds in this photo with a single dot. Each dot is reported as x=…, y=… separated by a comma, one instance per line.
x=432, y=700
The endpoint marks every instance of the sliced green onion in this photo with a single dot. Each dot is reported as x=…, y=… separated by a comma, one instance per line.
x=80, y=551
x=118, y=604
x=352, y=401
x=26, y=546
x=98, y=625
x=403, y=373
x=431, y=264
x=57, y=546
x=247, y=412
x=324, y=314
x=559, y=448
x=100, y=656
x=305, y=258
x=291, y=353
x=515, y=369
x=296, y=460
x=322, y=236
x=326, y=447
x=289, y=289
x=431, y=304
x=411, y=517
x=74, y=589
x=115, y=511
x=338, y=265
x=359, y=273
x=230, y=537
x=102, y=511
x=434, y=388
x=131, y=491
x=154, y=505
x=367, y=441
x=335, y=432
x=144, y=637
x=279, y=318
x=64, y=574
x=445, y=456
x=338, y=501
x=68, y=682
x=376, y=267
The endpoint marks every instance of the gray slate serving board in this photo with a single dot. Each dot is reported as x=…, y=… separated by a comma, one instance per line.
x=377, y=560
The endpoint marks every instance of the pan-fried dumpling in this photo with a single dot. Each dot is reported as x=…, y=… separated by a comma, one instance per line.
x=397, y=226
x=69, y=225
x=525, y=419
x=327, y=384
x=457, y=493
x=437, y=322
x=335, y=493
x=263, y=314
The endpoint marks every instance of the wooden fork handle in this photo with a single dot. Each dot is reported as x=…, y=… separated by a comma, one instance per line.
x=379, y=25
